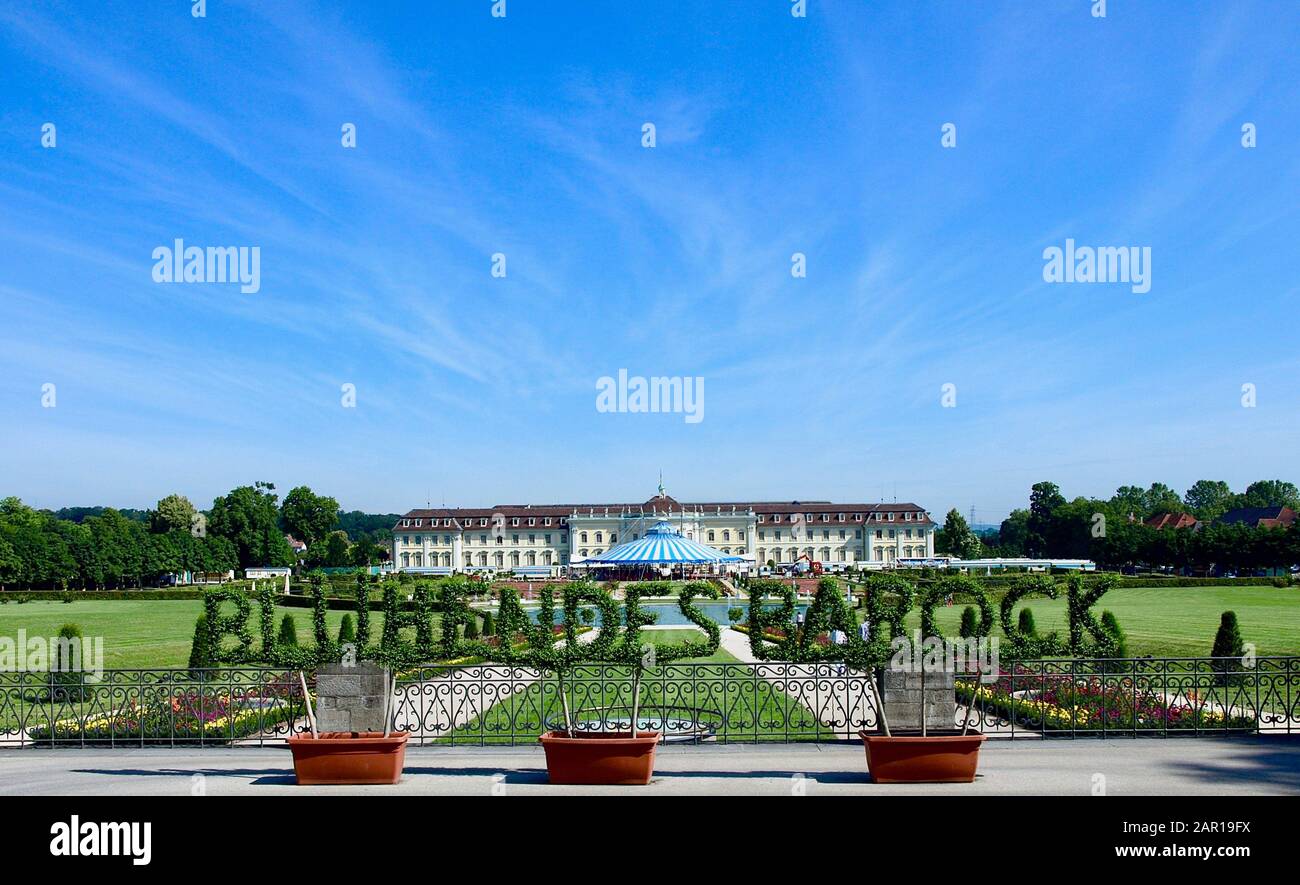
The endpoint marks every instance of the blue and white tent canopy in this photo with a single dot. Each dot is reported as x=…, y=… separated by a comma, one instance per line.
x=662, y=545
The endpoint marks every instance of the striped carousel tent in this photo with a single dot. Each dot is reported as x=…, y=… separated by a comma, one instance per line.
x=662, y=545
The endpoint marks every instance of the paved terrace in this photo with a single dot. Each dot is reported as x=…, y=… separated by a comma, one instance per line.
x=1148, y=766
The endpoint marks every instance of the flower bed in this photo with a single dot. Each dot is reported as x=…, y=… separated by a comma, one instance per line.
x=191, y=713
x=1093, y=703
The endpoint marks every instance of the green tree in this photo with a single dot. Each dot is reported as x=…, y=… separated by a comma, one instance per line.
x=471, y=628
x=955, y=537
x=9, y=564
x=333, y=552
x=1228, y=646
x=173, y=513
x=969, y=622
x=1013, y=534
x=1161, y=499
x=1118, y=641
x=1130, y=501
x=1208, y=499
x=1272, y=493
x=1227, y=641
x=248, y=517
x=489, y=624
x=288, y=635
x=200, y=654
x=1025, y=622
x=365, y=552
x=1044, y=498
x=347, y=630
x=307, y=516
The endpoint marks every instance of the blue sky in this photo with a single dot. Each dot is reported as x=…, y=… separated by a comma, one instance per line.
x=522, y=136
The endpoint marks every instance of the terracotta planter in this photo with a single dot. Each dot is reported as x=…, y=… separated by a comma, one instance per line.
x=349, y=757
x=946, y=757
x=600, y=757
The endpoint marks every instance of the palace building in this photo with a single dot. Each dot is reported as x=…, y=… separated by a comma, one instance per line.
x=546, y=539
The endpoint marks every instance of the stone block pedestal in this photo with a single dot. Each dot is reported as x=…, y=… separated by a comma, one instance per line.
x=903, y=700
x=350, y=698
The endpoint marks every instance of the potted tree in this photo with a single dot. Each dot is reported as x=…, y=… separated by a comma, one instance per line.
x=351, y=678
x=944, y=754
x=349, y=757
x=603, y=755
x=893, y=756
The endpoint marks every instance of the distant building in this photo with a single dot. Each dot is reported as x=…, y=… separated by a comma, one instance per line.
x=545, y=538
x=1173, y=521
x=1260, y=517
x=268, y=571
x=298, y=547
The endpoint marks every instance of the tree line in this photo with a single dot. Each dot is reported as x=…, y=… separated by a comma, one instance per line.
x=92, y=548
x=1113, y=532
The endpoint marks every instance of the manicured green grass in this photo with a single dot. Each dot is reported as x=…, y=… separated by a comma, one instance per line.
x=1171, y=621
x=146, y=634
x=665, y=637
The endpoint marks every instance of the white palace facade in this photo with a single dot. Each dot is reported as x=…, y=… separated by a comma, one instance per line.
x=546, y=539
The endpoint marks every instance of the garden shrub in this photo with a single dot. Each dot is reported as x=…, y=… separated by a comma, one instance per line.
x=969, y=622
x=347, y=633
x=1110, y=625
x=1025, y=622
x=1228, y=645
x=489, y=624
x=288, y=637
x=200, y=651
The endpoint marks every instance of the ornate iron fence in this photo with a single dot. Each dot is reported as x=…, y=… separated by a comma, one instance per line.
x=1135, y=697
x=723, y=702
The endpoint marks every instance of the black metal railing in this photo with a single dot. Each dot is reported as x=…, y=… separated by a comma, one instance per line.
x=709, y=702
x=1136, y=696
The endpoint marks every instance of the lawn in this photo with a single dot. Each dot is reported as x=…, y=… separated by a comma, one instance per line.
x=1172, y=621
x=664, y=637
x=145, y=634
